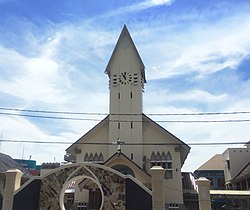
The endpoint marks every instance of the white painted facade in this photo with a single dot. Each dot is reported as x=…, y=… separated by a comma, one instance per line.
x=235, y=159
x=127, y=124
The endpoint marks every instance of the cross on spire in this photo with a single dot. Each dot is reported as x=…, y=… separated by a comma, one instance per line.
x=119, y=143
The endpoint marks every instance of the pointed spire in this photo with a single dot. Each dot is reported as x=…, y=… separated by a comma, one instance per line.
x=123, y=41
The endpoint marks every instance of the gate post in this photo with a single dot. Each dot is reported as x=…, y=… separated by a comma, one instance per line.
x=158, y=187
x=204, y=193
x=13, y=182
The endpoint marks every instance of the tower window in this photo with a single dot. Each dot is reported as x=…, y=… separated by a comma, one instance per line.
x=119, y=95
x=135, y=79
x=114, y=80
x=132, y=156
x=131, y=125
x=131, y=95
x=118, y=125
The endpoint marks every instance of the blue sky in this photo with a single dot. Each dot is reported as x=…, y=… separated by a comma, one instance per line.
x=53, y=55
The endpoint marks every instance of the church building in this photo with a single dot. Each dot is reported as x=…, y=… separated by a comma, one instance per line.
x=126, y=139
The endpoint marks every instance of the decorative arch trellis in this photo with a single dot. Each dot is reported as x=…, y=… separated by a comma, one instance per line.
x=47, y=192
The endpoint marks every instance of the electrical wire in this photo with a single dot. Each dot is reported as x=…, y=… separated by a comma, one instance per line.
x=160, y=121
x=95, y=113
x=126, y=144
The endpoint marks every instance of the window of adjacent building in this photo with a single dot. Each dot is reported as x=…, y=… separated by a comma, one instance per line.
x=243, y=185
x=228, y=164
x=221, y=183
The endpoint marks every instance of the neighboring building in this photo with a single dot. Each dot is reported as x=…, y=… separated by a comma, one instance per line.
x=30, y=165
x=48, y=167
x=190, y=191
x=127, y=140
x=213, y=170
x=235, y=160
x=242, y=180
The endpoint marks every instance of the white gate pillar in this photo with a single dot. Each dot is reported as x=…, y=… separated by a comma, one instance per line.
x=204, y=193
x=158, y=187
x=13, y=182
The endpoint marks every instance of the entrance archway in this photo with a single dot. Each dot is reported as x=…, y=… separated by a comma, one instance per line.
x=75, y=179
x=117, y=191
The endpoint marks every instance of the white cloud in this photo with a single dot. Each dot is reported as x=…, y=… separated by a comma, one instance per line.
x=19, y=128
x=139, y=6
x=204, y=48
x=30, y=79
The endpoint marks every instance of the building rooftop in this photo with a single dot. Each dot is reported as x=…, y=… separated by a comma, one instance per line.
x=7, y=163
x=215, y=163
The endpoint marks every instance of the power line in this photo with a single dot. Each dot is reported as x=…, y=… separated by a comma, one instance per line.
x=128, y=144
x=90, y=119
x=152, y=114
x=51, y=112
x=48, y=117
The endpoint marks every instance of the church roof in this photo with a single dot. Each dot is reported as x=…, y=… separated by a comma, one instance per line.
x=125, y=37
x=121, y=155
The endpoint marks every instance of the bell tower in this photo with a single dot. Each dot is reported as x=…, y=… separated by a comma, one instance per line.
x=126, y=83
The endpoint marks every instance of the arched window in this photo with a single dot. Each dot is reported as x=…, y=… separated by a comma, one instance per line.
x=96, y=157
x=164, y=160
x=158, y=157
x=86, y=158
x=153, y=159
x=169, y=161
x=124, y=169
x=169, y=167
x=91, y=157
x=101, y=159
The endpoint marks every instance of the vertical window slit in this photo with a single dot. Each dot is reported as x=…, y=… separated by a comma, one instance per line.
x=132, y=156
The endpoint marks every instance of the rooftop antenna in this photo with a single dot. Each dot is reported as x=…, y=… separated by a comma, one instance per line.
x=1, y=138
x=23, y=153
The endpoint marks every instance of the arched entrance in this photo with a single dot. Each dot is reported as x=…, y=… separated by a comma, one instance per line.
x=89, y=197
x=107, y=189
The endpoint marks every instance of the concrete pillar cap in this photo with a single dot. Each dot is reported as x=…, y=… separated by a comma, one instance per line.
x=157, y=168
x=14, y=170
x=203, y=179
